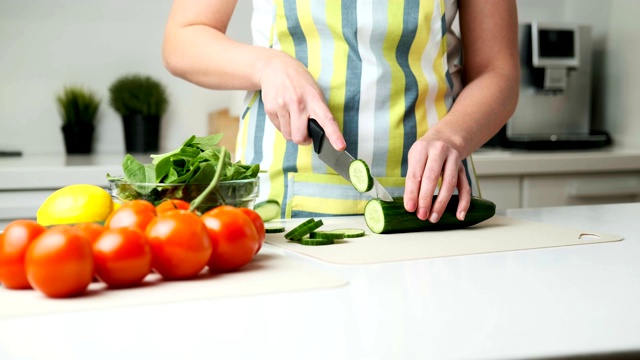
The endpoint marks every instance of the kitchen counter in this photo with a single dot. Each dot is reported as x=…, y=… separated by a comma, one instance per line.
x=54, y=171
x=500, y=162
x=552, y=302
x=26, y=181
x=51, y=171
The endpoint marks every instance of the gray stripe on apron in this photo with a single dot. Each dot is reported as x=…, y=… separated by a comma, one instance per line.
x=409, y=28
x=353, y=75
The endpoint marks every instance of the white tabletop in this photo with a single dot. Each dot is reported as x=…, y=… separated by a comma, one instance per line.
x=522, y=304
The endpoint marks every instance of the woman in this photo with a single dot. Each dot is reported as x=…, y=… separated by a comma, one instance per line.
x=383, y=78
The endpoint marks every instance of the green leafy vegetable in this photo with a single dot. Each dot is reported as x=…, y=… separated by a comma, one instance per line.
x=187, y=171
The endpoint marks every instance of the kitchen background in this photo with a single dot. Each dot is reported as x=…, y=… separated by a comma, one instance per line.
x=46, y=45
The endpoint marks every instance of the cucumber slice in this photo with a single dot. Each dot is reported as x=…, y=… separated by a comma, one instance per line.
x=348, y=232
x=360, y=176
x=274, y=229
x=329, y=235
x=268, y=210
x=315, y=242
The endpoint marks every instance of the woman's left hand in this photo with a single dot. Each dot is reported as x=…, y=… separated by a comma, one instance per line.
x=430, y=159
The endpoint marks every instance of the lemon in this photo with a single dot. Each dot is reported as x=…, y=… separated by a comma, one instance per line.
x=75, y=204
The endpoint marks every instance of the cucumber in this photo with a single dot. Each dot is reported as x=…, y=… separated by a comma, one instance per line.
x=386, y=217
x=360, y=176
x=268, y=210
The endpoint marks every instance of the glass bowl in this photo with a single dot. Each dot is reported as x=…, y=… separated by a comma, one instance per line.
x=238, y=193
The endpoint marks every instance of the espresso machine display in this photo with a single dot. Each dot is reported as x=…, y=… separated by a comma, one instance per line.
x=554, y=107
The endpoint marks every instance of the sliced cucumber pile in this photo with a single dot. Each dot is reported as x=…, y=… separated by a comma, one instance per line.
x=307, y=233
x=360, y=176
x=302, y=230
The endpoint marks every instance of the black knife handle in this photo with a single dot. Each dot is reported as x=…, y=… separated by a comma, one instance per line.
x=316, y=133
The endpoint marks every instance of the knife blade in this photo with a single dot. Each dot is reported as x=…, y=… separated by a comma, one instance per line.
x=339, y=161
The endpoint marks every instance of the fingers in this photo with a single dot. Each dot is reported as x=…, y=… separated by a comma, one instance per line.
x=464, y=194
x=291, y=96
x=293, y=123
x=448, y=185
x=428, y=164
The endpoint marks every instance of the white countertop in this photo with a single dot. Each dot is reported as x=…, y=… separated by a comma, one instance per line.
x=520, y=304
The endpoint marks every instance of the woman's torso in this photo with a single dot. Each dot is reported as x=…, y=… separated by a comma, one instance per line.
x=388, y=71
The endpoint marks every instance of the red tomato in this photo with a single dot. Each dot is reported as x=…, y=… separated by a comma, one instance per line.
x=122, y=257
x=234, y=236
x=131, y=217
x=139, y=205
x=172, y=204
x=13, y=247
x=90, y=230
x=257, y=223
x=180, y=246
x=59, y=262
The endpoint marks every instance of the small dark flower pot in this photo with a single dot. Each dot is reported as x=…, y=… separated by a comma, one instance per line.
x=78, y=139
x=141, y=133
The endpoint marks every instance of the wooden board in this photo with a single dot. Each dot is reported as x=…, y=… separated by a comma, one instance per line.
x=494, y=235
x=269, y=272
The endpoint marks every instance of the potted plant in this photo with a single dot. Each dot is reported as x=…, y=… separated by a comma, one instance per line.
x=141, y=101
x=78, y=108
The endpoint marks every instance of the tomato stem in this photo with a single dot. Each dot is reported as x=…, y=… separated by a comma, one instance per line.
x=197, y=201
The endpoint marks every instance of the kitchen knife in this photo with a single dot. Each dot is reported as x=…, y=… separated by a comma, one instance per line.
x=339, y=161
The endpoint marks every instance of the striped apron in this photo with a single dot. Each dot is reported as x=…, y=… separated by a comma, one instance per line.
x=388, y=70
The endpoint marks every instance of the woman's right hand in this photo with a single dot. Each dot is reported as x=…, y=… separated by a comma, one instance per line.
x=291, y=97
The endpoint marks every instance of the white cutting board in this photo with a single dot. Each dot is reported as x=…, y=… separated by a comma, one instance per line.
x=494, y=235
x=268, y=272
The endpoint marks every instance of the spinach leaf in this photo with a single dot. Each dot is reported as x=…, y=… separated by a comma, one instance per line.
x=205, y=173
x=136, y=172
x=208, y=142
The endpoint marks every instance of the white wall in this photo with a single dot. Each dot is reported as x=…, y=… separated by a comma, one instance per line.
x=622, y=85
x=45, y=45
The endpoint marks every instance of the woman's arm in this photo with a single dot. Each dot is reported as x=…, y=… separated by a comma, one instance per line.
x=489, y=32
x=197, y=50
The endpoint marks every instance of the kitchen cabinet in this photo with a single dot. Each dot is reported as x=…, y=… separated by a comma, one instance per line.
x=527, y=179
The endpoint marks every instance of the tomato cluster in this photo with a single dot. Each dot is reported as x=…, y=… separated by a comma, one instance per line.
x=136, y=239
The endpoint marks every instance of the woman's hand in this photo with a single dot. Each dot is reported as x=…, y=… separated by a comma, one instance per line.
x=489, y=97
x=291, y=96
x=430, y=159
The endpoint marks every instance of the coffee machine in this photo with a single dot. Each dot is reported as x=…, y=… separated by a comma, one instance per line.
x=554, y=106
